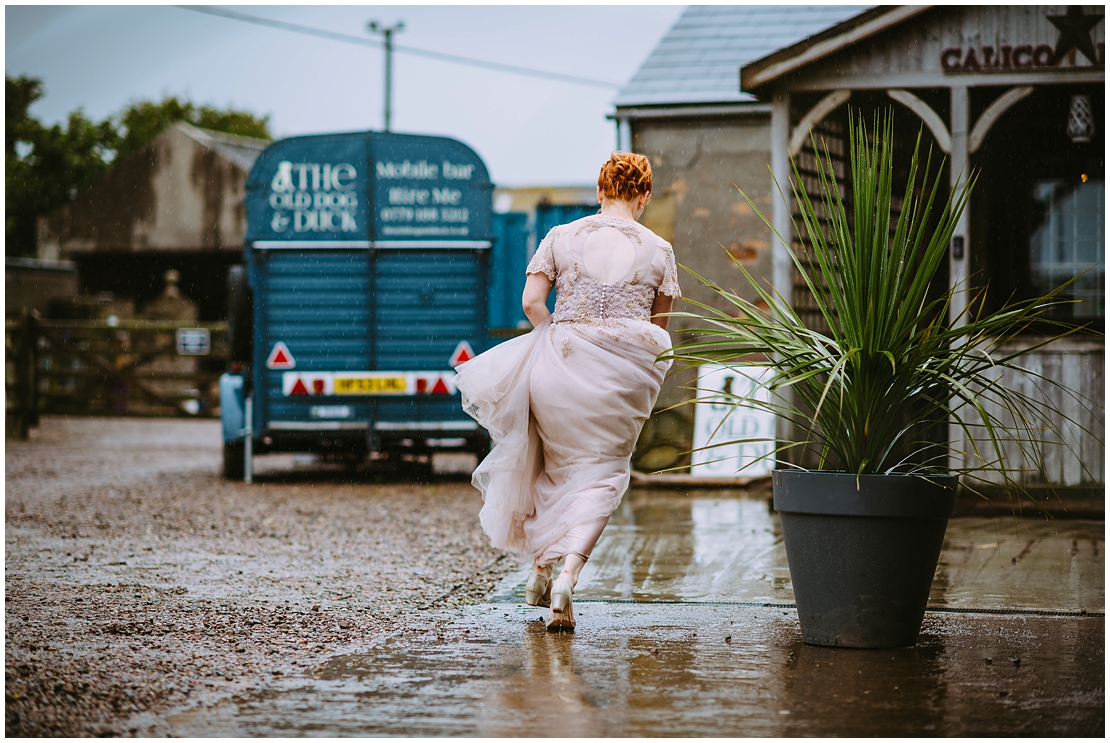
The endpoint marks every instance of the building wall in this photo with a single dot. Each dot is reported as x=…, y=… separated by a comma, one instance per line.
x=526, y=198
x=696, y=203
x=697, y=161
x=175, y=195
x=957, y=41
x=33, y=284
x=698, y=166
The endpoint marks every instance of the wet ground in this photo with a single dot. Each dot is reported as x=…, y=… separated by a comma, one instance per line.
x=686, y=627
x=686, y=670
x=137, y=580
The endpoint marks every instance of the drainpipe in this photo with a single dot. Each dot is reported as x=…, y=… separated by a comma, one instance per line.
x=624, y=135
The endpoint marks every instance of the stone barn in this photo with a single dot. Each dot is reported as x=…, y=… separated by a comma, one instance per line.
x=178, y=204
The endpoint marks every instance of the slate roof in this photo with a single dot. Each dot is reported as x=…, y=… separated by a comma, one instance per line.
x=242, y=151
x=699, y=59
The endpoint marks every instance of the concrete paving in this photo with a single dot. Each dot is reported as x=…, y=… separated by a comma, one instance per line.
x=686, y=627
x=728, y=547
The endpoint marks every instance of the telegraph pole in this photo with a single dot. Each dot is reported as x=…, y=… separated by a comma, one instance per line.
x=387, y=32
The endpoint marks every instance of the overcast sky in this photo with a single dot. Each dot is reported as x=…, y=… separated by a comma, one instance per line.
x=529, y=131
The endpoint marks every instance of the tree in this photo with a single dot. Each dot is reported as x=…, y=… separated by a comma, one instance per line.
x=46, y=166
x=142, y=121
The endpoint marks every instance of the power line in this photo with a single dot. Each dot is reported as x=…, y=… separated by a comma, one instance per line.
x=417, y=52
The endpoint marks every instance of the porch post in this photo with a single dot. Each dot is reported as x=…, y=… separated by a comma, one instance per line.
x=958, y=252
x=958, y=172
x=782, y=273
x=782, y=267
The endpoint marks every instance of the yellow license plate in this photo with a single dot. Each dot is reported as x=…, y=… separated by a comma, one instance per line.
x=370, y=386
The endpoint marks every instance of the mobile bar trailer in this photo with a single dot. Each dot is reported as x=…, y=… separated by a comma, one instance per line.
x=368, y=262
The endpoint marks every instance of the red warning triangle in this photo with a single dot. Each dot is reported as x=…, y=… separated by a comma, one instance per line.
x=299, y=388
x=280, y=358
x=440, y=388
x=463, y=353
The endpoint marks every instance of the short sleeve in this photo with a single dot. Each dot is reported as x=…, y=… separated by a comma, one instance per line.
x=669, y=284
x=544, y=259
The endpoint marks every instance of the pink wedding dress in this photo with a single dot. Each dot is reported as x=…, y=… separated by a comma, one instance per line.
x=565, y=403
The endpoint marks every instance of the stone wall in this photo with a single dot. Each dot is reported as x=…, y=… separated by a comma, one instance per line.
x=698, y=166
x=177, y=194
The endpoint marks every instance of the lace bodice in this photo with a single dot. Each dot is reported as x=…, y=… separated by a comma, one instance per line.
x=588, y=300
x=583, y=299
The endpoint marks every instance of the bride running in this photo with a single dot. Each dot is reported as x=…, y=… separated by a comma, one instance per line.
x=565, y=403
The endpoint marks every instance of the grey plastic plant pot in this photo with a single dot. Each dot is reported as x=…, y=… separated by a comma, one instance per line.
x=862, y=552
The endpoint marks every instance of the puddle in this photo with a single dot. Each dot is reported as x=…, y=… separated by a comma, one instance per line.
x=666, y=547
x=666, y=646
x=636, y=670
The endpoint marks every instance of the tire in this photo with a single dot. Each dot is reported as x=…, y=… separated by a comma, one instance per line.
x=240, y=315
x=482, y=449
x=234, y=468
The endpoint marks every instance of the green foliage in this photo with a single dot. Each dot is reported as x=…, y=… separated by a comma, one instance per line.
x=45, y=166
x=141, y=122
x=889, y=367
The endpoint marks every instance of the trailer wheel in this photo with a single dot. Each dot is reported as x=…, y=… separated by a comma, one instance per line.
x=482, y=449
x=240, y=314
x=234, y=468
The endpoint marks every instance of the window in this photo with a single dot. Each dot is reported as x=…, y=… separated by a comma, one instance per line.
x=1070, y=240
x=1037, y=216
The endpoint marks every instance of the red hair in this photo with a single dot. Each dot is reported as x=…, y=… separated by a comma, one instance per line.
x=625, y=176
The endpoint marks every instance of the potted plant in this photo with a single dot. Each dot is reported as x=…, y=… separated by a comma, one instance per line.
x=864, y=523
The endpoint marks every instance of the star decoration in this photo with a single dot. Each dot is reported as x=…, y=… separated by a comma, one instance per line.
x=1075, y=33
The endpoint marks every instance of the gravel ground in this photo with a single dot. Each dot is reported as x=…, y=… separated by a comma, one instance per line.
x=137, y=580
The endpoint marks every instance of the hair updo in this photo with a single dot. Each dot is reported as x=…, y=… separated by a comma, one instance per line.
x=625, y=176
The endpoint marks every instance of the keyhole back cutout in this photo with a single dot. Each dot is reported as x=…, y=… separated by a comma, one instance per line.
x=608, y=255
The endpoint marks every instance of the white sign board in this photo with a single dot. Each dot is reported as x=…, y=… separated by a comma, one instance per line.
x=193, y=342
x=721, y=416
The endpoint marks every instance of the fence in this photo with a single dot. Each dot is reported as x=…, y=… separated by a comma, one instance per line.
x=20, y=334
x=102, y=367
x=1072, y=443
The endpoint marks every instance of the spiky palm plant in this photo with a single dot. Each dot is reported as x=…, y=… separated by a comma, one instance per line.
x=889, y=365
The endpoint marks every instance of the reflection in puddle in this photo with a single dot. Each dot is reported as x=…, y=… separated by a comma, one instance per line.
x=682, y=670
x=680, y=548
x=904, y=690
x=688, y=548
x=701, y=668
x=721, y=527
x=546, y=695
x=736, y=541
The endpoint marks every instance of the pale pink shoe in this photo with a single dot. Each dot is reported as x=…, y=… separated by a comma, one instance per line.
x=561, y=616
x=537, y=592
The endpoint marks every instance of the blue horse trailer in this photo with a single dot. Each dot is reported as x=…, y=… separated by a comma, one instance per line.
x=369, y=259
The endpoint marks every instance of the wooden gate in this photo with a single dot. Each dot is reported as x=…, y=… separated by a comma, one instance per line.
x=102, y=367
x=21, y=406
